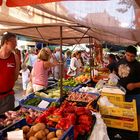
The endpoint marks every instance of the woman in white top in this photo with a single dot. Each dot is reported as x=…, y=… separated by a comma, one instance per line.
x=75, y=66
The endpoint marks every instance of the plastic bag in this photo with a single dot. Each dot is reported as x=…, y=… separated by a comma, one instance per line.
x=113, y=79
x=100, y=84
x=99, y=131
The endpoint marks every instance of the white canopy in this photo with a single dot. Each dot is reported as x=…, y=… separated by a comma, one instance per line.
x=115, y=21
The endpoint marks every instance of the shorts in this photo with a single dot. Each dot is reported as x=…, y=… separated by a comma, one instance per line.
x=24, y=85
x=38, y=87
x=7, y=103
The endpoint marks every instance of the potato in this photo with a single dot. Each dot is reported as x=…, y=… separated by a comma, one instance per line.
x=32, y=138
x=50, y=135
x=17, y=129
x=45, y=138
x=30, y=133
x=55, y=138
x=40, y=134
x=46, y=131
x=24, y=136
x=59, y=133
x=26, y=129
x=38, y=126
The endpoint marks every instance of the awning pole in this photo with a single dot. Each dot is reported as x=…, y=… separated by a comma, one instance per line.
x=61, y=63
x=90, y=44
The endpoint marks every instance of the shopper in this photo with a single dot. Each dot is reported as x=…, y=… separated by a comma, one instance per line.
x=25, y=77
x=67, y=58
x=10, y=65
x=31, y=58
x=40, y=70
x=128, y=70
x=57, y=56
x=75, y=67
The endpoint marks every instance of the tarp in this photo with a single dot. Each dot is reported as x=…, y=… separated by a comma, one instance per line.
x=13, y=3
x=115, y=21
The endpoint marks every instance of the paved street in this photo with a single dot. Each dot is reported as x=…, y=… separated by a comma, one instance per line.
x=18, y=90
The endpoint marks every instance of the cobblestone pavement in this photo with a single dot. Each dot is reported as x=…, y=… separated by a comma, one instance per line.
x=18, y=90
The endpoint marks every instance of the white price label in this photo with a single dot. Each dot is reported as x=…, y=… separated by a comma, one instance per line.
x=43, y=104
x=15, y=135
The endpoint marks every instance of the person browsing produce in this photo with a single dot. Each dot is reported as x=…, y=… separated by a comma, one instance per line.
x=10, y=65
x=40, y=70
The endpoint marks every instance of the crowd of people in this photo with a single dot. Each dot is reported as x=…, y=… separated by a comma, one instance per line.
x=37, y=66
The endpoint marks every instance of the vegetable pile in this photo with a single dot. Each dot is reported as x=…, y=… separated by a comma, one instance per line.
x=68, y=114
x=40, y=132
x=11, y=117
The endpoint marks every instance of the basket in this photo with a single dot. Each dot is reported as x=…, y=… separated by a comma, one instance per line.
x=69, y=134
x=114, y=97
x=123, y=116
x=21, y=103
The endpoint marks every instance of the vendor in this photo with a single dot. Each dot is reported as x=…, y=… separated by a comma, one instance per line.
x=10, y=65
x=128, y=70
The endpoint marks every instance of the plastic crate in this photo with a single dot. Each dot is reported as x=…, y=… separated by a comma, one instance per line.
x=114, y=97
x=11, y=127
x=21, y=103
x=123, y=116
x=75, y=89
x=68, y=135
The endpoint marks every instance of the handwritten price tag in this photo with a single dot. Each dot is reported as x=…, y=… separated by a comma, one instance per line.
x=43, y=104
x=15, y=135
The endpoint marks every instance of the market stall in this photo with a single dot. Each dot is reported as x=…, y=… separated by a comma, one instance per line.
x=58, y=24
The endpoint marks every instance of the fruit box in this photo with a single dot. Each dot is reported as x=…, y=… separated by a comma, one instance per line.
x=114, y=97
x=68, y=135
x=123, y=116
x=31, y=96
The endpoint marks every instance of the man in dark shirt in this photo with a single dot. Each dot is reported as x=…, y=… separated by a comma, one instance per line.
x=128, y=70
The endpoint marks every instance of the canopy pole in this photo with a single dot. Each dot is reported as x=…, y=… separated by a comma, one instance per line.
x=40, y=34
x=61, y=63
x=90, y=43
x=81, y=39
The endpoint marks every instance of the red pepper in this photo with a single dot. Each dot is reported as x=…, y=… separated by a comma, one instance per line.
x=80, y=110
x=70, y=109
x=85, y=119
x=51, y=109
x=71, y=118
x=64, y=123
x=50, y=124
x=80, y=129
x=29, y=120
x=76, y=133
x=41, y=118
x=58, y=112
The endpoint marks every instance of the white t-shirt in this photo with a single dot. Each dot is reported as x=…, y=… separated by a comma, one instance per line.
x=32, y=59
x=25, y=75
x=74, y=64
